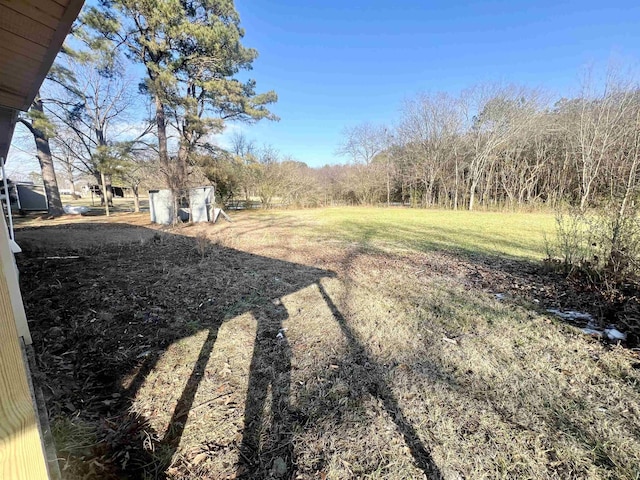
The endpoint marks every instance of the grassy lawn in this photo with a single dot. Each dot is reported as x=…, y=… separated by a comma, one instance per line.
x=518, y=235
x=336, y=343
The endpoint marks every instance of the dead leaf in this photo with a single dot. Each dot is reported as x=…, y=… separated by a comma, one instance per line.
x=198, y=459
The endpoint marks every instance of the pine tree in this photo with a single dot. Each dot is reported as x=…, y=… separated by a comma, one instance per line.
x=191, y=52
x=42, y=130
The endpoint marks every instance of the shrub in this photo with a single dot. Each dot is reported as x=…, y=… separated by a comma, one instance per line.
x=605, y=244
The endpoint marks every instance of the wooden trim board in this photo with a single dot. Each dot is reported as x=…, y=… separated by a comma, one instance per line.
x=21, y=450
x=10, y=273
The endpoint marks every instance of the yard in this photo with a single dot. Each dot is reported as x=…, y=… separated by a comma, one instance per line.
x=332, y=343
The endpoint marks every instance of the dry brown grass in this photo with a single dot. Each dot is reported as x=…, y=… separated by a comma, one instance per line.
x=392, y=366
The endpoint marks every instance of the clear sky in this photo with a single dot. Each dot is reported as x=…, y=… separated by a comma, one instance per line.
x=339, y=63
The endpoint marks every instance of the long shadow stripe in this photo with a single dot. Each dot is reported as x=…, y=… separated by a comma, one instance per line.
x=380, y=389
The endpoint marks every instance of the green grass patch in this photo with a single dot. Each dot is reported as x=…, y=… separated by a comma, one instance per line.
x=516, y=235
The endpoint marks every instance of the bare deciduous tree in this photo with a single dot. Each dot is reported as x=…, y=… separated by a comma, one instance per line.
x=496, y=115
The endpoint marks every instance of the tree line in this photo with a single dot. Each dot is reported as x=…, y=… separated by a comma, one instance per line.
x=491, y=146
x=497, y=146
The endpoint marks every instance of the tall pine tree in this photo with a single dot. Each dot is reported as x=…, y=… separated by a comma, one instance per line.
x=42, y=129
x=191, y=51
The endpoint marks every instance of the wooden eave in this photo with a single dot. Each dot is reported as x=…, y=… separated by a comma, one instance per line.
x=31, y=35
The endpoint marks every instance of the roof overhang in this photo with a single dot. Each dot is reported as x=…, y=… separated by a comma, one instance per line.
x=31, y=35
x=7, y=124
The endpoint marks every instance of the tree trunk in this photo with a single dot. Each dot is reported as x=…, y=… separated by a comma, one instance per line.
x=49, y=176
x=104, y=193
x=69, y=169
x=455, y=195
x=388, y=189
x=182, y=160
x=136, y=199
x=163, y=153
x=472, y=195
x=74, y=195
x=107, y=189
x=162, y=132
x=43, y=150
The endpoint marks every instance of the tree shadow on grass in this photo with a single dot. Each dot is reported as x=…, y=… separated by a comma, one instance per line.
x=482, y=263
x=270, y=371
x=463, y=241
x=379, y=389
x=97, y=315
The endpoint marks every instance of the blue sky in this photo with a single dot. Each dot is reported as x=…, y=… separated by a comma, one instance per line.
x=340, y=63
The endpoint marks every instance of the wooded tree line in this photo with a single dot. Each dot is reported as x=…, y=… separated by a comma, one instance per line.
x=501, y=147
x=489, y=147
